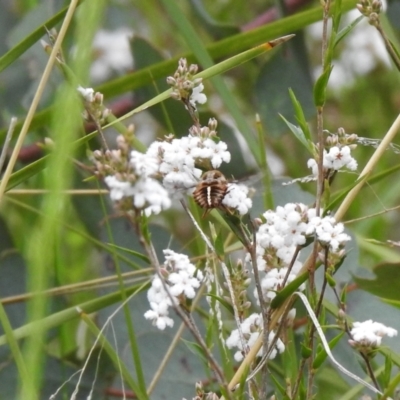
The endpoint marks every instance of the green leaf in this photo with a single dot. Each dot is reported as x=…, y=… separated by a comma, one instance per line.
x=331, y=281
x=224, y=303
x=223, y=48
x=237, y=226
x=320, y=87
x=387, y=373
x=35, y=167
x=322, y=354
x=195, y=349
x=27, y=172
x=278, y=385
x=306, y=352
x=386, y=283
x=299, y=134
x=337, y=14
x=14, y=347
x=288, y=290
x=301, y=119
x=346, y=30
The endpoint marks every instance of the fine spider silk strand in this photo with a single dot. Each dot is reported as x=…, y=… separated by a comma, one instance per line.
x=324, y=342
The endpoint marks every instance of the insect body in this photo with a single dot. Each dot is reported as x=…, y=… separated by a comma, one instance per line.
x=211, y=190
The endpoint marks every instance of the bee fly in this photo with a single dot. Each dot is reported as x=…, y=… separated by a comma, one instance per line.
x=211, y=190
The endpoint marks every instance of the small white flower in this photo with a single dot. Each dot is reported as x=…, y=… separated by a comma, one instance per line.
x=285, y=229
x=150, y=195
x=118, y=189
x=177, y=182
x=159, y=304
x=370, y=334
x=143, y=164
x=236, y=198
x=86, y=93
x=331, y=233
x=197, y=96
x=159, y=315
x=146, y=193
x=338, y=158
x=312, y=164
x=251, y=328
x=177, y=161
x=183, y=279
x=183, y=283
x=217, y=152
x=157, y=293
x=273, y=282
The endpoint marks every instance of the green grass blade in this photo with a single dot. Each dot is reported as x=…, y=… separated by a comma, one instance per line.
x=99, y=244
x=204, y=58
x=128, y=318
x=59, y=318
x=223, y=48
x=31, y=39
x=12, y=341
x=208, y=73
x=35, y=167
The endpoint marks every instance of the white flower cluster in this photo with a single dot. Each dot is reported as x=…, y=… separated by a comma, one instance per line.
x=329, y=232
x=284, y=229
x=369, y=334
x=251, y=328
x=185, y=87
x=237, y=198
x=178, y=159
x=336, y=158
x=279, y=237
x=176, y=163
x=147, y=193
x=181, y=279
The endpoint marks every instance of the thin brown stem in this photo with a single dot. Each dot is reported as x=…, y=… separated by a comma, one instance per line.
x=183, y=314
x=37, y=97
x=99, y=129
x=263, y=306
x=295, y=254
x=388, y=44
x=320, y=188
x=277, y=313
x=324, y=284
x=7, y=141
x=299, y=378
x=365, y=357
